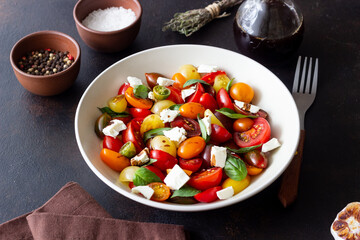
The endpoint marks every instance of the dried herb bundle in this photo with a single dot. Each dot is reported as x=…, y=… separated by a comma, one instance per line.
x=190, y=21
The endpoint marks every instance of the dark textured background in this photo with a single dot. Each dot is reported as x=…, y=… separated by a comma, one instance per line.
x=39, y=154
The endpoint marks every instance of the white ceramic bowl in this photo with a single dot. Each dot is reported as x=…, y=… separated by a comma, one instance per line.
x=270, y=94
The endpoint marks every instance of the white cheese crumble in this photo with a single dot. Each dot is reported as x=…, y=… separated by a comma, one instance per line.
x=176, y=178
x=225, y=193
x=141, y=158
x=207, y=68
x=254, y=109
x=240, y=104
x=270, y=145
x=151, y=95
x=168, y=115
x=165, y=82
x=187, y=92
x=247, y=106
x=134, y=81
x=146, y=191
x=114, y=128
x=177, y=134
x=207, y=122
x=218, y=156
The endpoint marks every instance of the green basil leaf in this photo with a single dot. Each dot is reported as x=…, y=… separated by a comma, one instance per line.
x=228, y=86
x=192, y=81
x=235, y=168
x=151, y=161
x=232, y=114
x=112, y=113
x=175, y=107
x=204, y=134
x=144, y=176
x=141, y=91
x=244, y=150
x=154, y=132
x=185, y=191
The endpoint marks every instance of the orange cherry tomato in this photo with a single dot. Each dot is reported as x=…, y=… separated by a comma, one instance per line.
x=161, y=191
x=191, y=147
x=137, y=102
x=191, y=110
x=242, y=92
x=252, y=171
x=114, y=160
x=243, y=124
x=179, y=80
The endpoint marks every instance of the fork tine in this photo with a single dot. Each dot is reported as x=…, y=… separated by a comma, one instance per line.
x=296, y=77
x=308, y=79
x=315, y=78
x=302, y=83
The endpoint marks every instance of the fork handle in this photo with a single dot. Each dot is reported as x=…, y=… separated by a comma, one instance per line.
x=290, y=179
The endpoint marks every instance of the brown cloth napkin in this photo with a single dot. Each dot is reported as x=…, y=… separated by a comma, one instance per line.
x=73, y=214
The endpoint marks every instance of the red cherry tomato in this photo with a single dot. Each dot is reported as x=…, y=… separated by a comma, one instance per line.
x=206, y=179
x=219, y=134
x=191, y=126
x=112, y=143
x=139, y=112
x=210, y=77
x=123, y=88
x=132, y=134
x=208, y=102
x=175, y=95
x=131, y=185
x=191, y=164
x=156, y=171
x=209, y=195
x=195, y=97
x=223, y=99
x=256, y=158
x=259, y=133
x=164, y=159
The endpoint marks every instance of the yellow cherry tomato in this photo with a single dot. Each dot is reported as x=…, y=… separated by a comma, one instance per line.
x=191, y=147
x=152, y=121
x=179, y=80
x=252, y=171
x=137, y=102
x=191, y=110
x=242, y=92
x=213, y=118
x=161, y=105
x=189, y=72
x=164, y=144
x=128, y=173
x=220, y=81
x=118, y=104
x=238, y=186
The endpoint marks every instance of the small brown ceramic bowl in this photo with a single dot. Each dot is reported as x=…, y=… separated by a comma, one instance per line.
x=50, y=84
x=111, y=41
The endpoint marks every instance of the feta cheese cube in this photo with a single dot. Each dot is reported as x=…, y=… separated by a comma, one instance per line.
x=254, y=109
x=176, y=134
x=207, y=122
x=168, y=115
x=114, y=128
x=218, y=156
x=151, y=95
x=225, y=193
x=165, y=82
x=176, y=178
x=270, y=145
x=240, y=104
x=207, y=68
x=187, y=92
x=247, y=107
x=141, y=158
x=146, y=191
x=134, y=81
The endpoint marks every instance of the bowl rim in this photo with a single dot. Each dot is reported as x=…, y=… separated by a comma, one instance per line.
x=182, y=207
x=44, y=32
x=79, y=23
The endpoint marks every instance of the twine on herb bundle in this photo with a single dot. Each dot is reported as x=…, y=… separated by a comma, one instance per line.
x=190, y=21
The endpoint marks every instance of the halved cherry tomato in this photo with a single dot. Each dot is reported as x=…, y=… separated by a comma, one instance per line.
x=151, y=79
x=191, y=147
x=191, y=126
x=161, y=191
x=123, y=88
x=209, y=195
x=175, y=95
x=242, y=92
x=112, y=143
x=118, y=103
x=137, y=102
x=164, y=159
x=179, y=80
x=256, y=159
x=210, y=77
x=132, y=134
x=102, y=121
x=114, y=160
x=157, y=171
x=259, y=133
x=195, y=97
x=253, y=171
x=139, y=112
x=219, y=134
x=238, y=186
x=191, y=164
x=191, y=110
x=206, y=179
x=131, y=185
x=208, y=102
x=223, y=99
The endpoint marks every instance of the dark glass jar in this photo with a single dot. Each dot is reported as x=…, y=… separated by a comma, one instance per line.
x=268, y=31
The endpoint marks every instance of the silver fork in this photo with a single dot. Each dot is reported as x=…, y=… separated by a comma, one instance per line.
x=304, y=96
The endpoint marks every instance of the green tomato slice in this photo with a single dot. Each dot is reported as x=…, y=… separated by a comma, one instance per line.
x=161, y=93
x=128, y=150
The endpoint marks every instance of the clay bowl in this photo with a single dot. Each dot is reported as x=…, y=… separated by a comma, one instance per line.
x=50, y=84
x=111, y=41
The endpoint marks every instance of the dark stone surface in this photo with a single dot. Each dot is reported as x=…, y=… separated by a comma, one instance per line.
x=39, y=154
